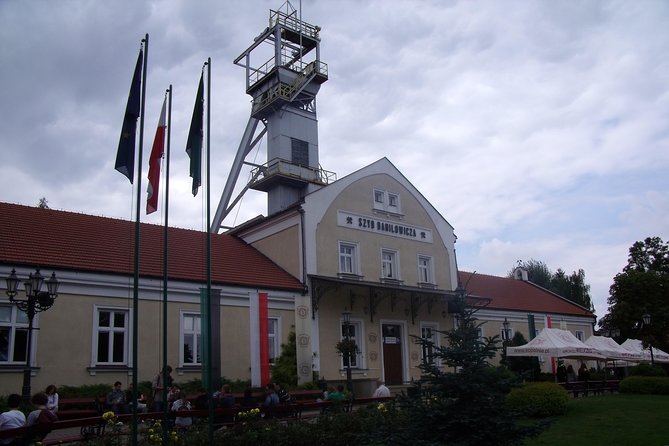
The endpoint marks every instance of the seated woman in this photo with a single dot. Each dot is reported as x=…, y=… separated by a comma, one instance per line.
x=41, y=417
x=181, y=404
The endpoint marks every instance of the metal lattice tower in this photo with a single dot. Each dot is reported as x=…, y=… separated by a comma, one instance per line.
x=283, y=88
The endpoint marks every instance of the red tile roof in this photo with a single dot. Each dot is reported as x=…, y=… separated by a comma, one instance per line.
x=58, y=239
x=516, y=295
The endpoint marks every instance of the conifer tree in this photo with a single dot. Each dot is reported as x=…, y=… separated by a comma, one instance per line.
x=464, y=402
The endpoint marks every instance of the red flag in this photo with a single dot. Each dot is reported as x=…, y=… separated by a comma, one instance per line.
x=263, y=338
x=154, y=164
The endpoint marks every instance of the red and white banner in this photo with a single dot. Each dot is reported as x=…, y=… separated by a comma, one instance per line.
x=259, y=336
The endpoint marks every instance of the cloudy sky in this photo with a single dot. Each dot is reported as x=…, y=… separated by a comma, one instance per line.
x=539, y=129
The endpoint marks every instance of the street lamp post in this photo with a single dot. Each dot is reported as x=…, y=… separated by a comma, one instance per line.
x=346, y=315
x=646, y=323
x=611, y=333
x=505, y=324
x=35, y=302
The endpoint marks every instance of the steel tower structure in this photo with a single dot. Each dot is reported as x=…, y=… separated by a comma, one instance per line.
x=283, y=88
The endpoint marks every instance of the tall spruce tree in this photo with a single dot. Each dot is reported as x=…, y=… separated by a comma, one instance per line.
x=465, y=402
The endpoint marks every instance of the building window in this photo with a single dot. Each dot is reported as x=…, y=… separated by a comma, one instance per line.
x=379, y=199
x=273, y=339
x=300, y=152
x=354, y=329
x=393, y=203
x=503, y=334
x=389, y=264
x=386, y=201
x=348, y=261
x=428, y=332
x=111, y=332
x=191, y=339
x=13, y=334
x=425, y=269
x=580, y=335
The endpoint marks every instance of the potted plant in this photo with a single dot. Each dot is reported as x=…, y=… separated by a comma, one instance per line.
x=346, y=347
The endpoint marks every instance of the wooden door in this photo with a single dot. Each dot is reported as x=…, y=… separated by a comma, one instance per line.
x=392, y=354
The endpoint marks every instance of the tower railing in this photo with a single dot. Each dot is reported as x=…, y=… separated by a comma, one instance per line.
x=292, y=23
x=278, y=166
x=289, y=62
x=288, y=92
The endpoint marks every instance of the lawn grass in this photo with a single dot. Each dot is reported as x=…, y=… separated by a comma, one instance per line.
x=620, y=419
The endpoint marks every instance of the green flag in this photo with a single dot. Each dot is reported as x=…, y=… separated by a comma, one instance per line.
x=194, y=143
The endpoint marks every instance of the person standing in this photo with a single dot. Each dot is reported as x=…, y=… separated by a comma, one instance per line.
x=13, y=418
x=157, y=385
x=52, y=393
x=583, y=373
x=381, y=390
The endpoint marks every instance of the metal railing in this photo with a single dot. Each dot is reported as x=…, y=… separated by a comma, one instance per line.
x=286, y=168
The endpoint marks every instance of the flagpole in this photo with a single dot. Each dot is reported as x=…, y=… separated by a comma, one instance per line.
x=135, y=297
x=210, y=389
x=165, y=258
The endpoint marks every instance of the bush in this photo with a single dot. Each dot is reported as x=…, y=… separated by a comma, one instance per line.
x=539, y=400
x=92, y=390
x=647, y=370
x=653, y=385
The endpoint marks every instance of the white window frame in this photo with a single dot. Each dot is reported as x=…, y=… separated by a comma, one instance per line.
x=126, y=330
x=383, y=200
x=353, y=257
x=274, y=338
x=356, y=362
x=393, y=207
x=433, y=327
x=18, y=322
x=580, y=335
x=390, y=259
x=425, y=271
x=379, y=199
x=196, y=333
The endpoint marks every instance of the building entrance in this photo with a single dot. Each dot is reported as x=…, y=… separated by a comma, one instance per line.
x=392, y=353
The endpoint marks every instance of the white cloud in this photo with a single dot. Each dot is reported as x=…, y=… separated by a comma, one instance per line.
x=537, y=129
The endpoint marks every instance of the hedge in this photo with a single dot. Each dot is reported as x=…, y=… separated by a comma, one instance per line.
x=541, y=399
x=649, y=385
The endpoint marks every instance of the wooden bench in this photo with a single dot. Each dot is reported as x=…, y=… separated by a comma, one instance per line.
x=306, y=395
x=584, y=388
x=75, y=408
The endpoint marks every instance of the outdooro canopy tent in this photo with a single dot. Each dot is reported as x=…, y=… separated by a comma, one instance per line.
x=635, y=346
x=556, y=343
x=612, y=350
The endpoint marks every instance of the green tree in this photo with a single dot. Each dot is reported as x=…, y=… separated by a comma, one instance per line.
x=285, y=366
x=537, y=272
x=466, y=404
x=525, y=366
x=642, y=287
x=572, y=287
